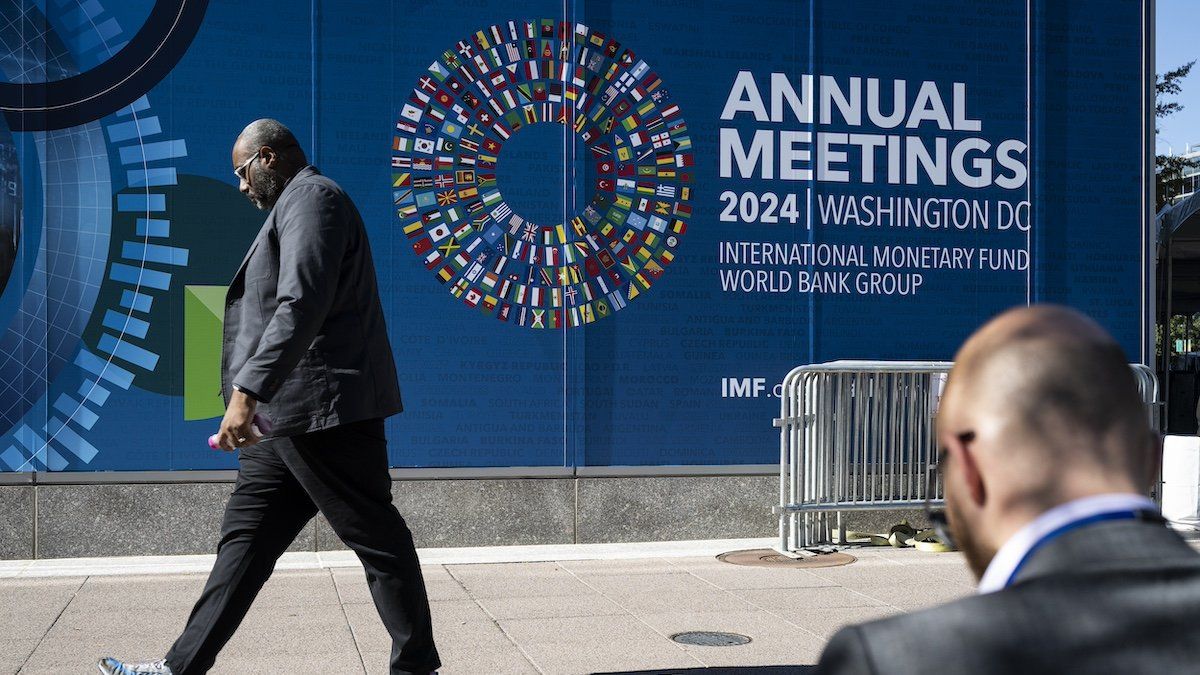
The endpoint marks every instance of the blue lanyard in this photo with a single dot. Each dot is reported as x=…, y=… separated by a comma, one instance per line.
x=1111, y=515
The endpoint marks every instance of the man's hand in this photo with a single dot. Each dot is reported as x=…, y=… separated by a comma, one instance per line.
x=236, y=429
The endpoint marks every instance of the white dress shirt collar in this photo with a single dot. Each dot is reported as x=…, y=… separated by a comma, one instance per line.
x=1014, y=551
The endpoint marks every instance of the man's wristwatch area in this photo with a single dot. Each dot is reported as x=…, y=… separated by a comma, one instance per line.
x=238, y=387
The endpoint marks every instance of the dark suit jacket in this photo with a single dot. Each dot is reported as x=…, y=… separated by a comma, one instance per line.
x=304, y=327
x=1114, y=597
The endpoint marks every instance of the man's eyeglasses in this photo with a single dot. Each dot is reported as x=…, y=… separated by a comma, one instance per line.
x=240, y=172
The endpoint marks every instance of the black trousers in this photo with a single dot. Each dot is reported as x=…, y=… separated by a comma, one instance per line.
x=281, y=484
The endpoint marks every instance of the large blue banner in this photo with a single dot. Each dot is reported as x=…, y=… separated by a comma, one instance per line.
x=603, y=235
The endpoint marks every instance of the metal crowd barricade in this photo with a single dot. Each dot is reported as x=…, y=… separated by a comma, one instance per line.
x=859, y=435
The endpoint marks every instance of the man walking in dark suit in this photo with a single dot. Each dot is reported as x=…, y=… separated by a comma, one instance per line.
x=305, y=346
x=1046, y=456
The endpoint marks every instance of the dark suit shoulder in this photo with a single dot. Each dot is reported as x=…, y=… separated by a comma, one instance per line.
x=312, y=187
x=313, y=177
x=1132, y=620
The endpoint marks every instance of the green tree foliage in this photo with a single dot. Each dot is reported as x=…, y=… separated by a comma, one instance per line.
x=1169, y=169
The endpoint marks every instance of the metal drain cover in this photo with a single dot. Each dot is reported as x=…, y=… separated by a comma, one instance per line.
x=706, y=638
x=767, y=557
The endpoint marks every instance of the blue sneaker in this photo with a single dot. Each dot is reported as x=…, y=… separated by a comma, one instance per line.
x=111, y=666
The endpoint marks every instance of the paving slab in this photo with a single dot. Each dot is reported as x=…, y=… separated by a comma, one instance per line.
x=570, y=616
x=30, y=607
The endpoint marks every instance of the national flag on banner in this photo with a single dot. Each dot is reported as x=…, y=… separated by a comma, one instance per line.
x=473, y=272
x=410, y=112
x=439, y=71
x=439, y=233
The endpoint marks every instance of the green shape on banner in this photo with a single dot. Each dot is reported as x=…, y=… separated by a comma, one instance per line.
x=203, y=325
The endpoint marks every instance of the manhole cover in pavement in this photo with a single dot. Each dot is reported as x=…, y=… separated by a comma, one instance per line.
x=706, y=638
x=766, y=557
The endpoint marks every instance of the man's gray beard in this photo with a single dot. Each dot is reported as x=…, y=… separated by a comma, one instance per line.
x=265, y=190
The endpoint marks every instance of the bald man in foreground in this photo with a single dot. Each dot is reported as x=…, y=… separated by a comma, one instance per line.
x=1046, y=456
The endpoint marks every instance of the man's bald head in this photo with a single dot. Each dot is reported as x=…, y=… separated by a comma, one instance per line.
x=1054, y=386
x=268, y=133
x=266, y=155
x=1041, y=408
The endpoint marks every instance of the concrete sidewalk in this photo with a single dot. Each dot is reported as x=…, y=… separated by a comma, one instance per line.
x=566, y=616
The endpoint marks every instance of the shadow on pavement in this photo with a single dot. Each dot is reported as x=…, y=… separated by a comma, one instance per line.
x=727, y=670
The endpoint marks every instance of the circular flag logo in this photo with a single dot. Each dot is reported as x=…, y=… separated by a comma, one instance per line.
x=636, y=157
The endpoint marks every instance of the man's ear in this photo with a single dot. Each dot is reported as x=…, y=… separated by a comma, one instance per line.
x=269, y=156
x=962, y=449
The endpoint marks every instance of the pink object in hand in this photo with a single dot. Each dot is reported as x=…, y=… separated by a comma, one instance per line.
x=261, y=426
